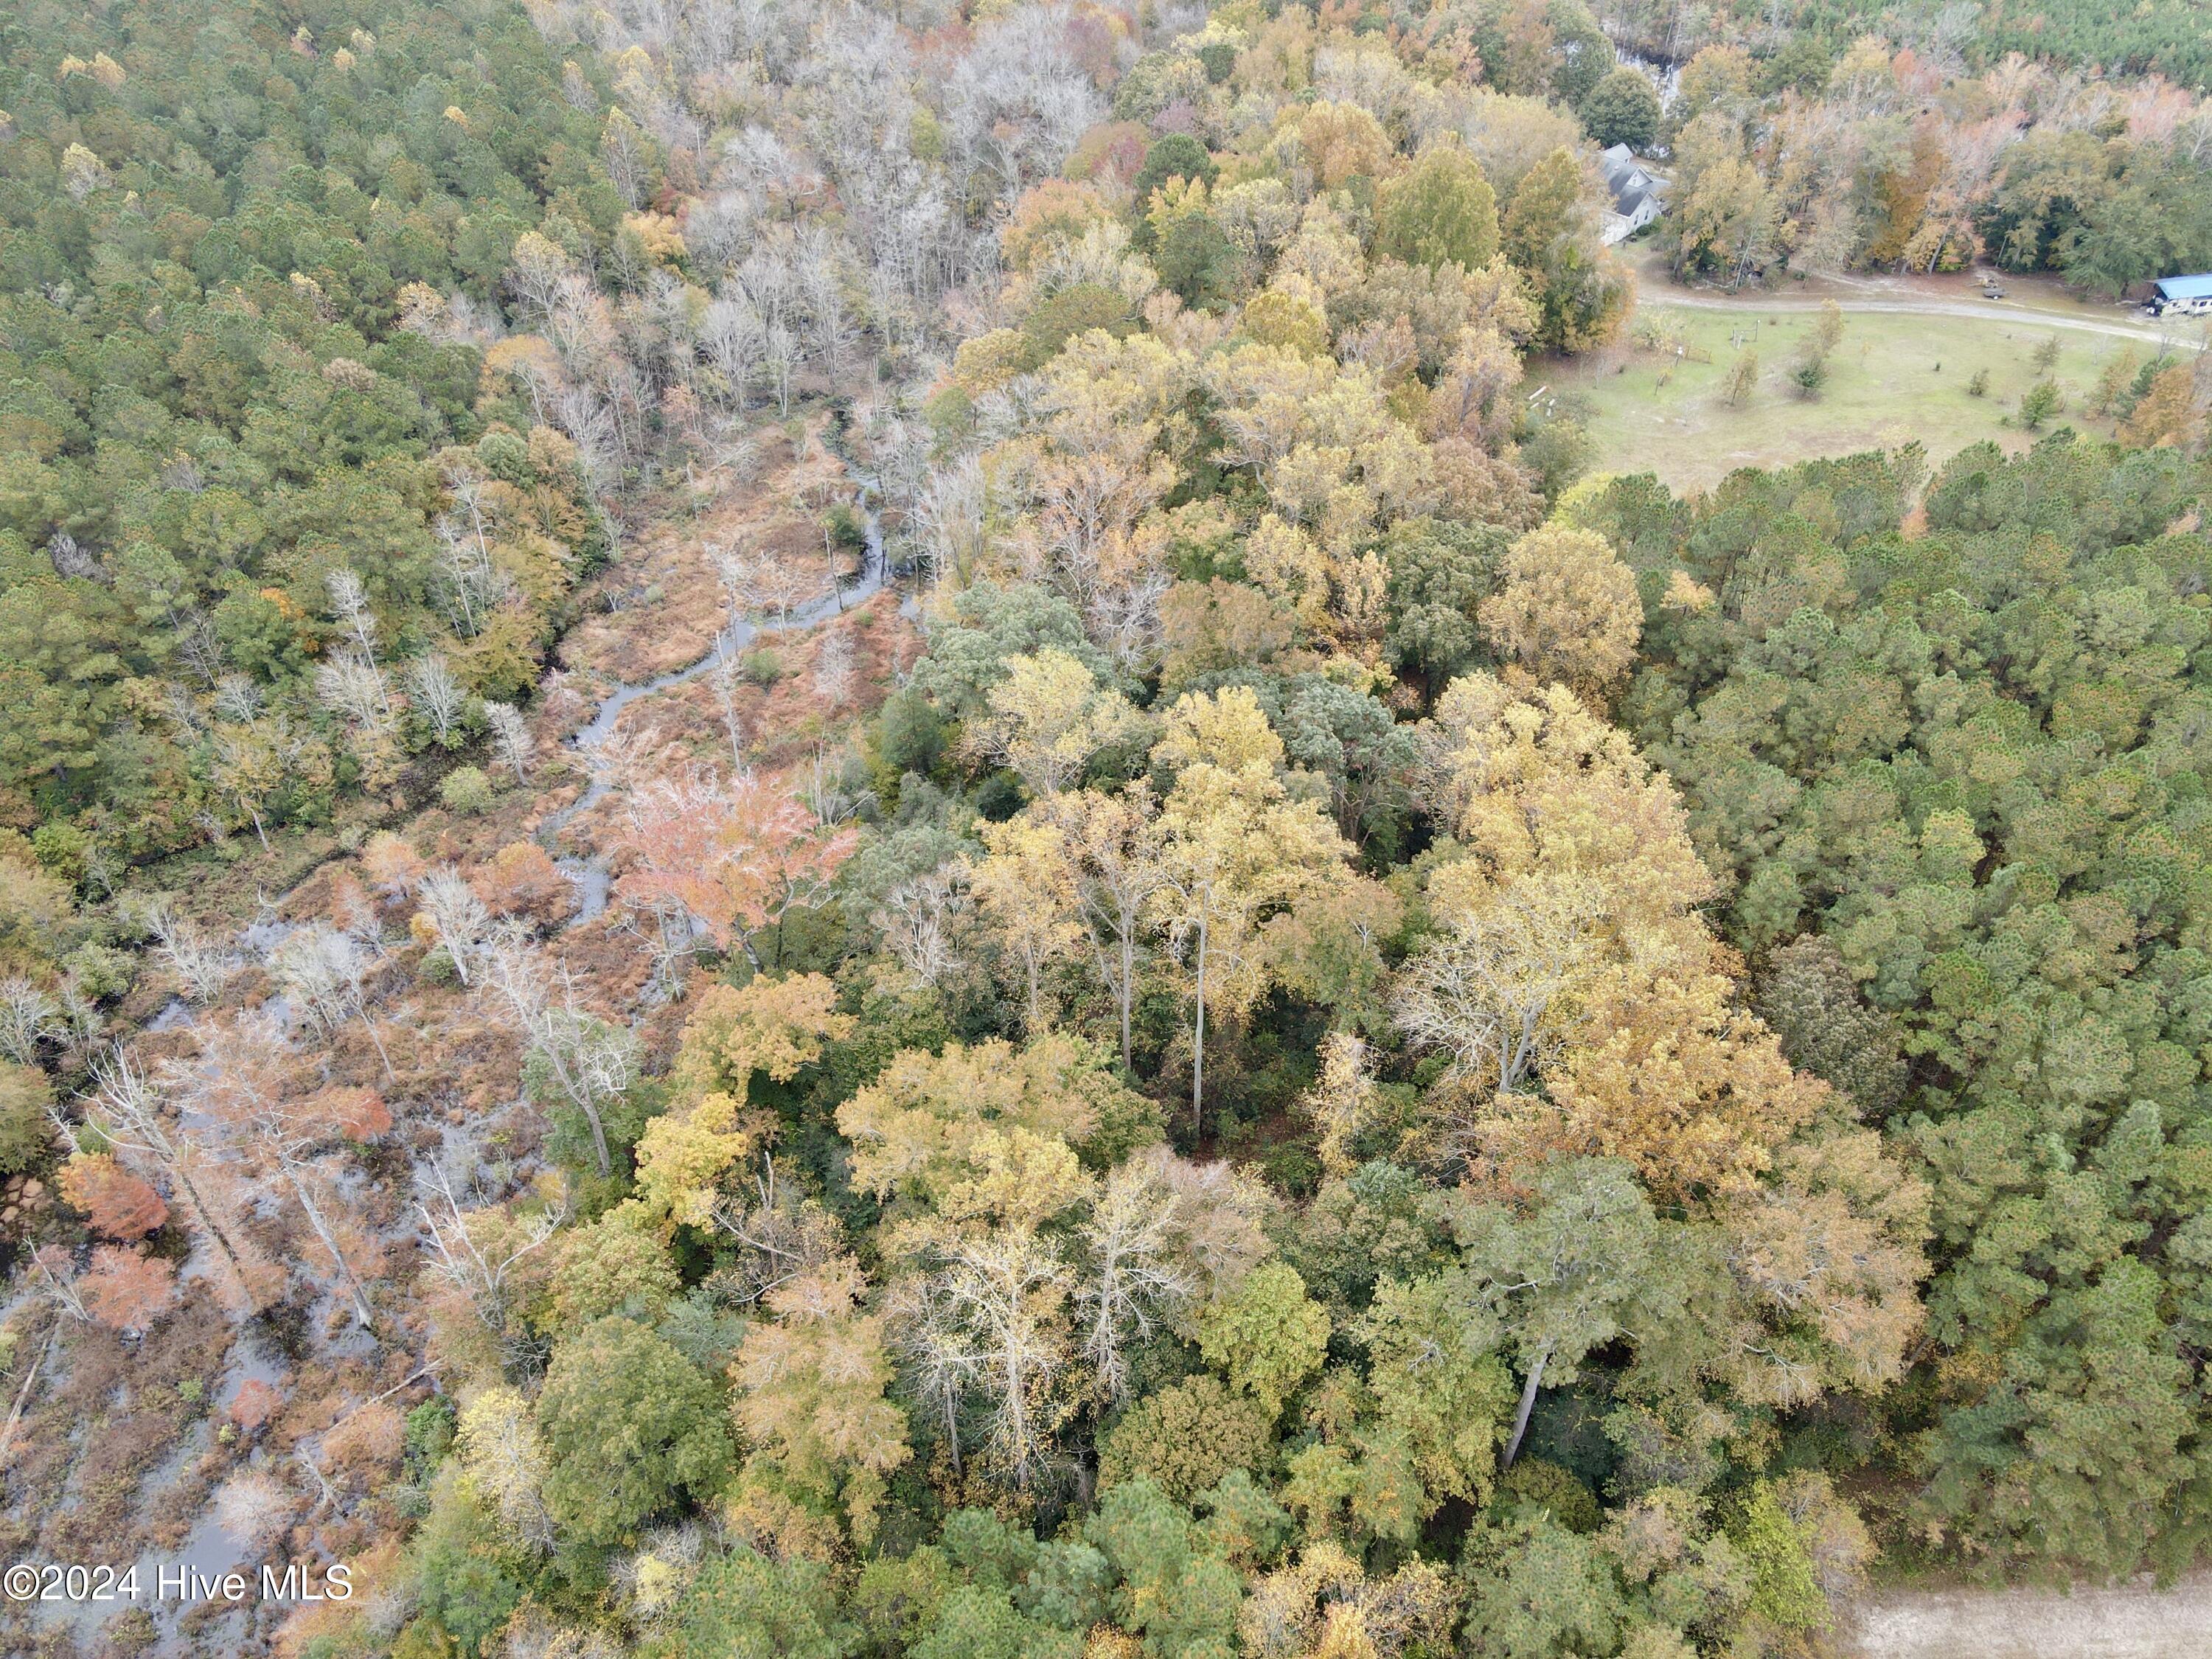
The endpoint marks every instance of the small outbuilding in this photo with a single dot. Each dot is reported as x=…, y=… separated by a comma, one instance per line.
x=1638, y=194
x=2181, y=296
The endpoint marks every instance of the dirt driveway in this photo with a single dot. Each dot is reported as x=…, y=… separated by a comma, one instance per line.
x=2133, y=1622
x=2033, y=299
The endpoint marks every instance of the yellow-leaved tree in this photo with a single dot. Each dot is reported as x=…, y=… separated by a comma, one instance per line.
x=1566, y=610
x=1231, y=846
x=1049, y=716
x=769, y=1028
x=991, y=1136
x=1027, y=888
x=811, y=1384
x=1588, y=1013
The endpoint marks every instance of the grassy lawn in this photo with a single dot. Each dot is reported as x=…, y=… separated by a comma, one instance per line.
x=1892, y=380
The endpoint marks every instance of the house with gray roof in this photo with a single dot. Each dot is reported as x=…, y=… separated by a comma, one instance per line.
x=1638, y=194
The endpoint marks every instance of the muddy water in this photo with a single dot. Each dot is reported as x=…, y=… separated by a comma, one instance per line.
x=207, y=1552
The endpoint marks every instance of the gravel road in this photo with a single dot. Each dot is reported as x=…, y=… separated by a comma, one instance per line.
x=2132, y=1621
x=1987, y=311
x=2034, y=301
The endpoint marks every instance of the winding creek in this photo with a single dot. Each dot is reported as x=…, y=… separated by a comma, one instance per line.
x=208, y=1548
x=588, y=872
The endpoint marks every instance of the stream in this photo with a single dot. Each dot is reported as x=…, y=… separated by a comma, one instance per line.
x=209, y=1549
x=589, y=874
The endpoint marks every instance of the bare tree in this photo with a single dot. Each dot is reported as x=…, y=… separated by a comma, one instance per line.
x=831, y=790
x=740, y=575
x=436, y=694
x=476, y=1260
x=915, y=920
x=237, y=698
x=238, y=1082
x=327, y=974
x=349, y=599
x=469, y=582
x=780, y=355
x=735, y=340
x=942, y=1363
x=953, y=512
x=354, y=688
x=591, y=1062
x=819, y=272
x=127, y=1111
x=780, y=1235
x=994, y=1321
x=57, y=1281
x=725, y=679
x=1496, y=994
x=1017, y=102
x=510, y=736
x=459, y=916
x=26, y=1018
x=256, y=1509
x=201, y=965
x=1136, y=1274
x=833, y=668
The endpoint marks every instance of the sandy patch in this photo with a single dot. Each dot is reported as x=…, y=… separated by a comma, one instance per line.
x=2131, y=1621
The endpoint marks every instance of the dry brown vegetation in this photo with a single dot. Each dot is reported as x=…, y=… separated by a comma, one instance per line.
x=127, y=1441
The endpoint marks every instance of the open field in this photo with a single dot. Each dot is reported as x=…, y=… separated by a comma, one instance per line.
x=1896, y=377
x=1911, y=346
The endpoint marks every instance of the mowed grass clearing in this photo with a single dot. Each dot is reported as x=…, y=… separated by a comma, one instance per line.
x=1894, y=379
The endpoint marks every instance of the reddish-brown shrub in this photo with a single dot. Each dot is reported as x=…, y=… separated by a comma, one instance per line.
x=369, y=1440
x=116, y=1202
x=255, y=1404
x=126, y=1292
x=357, y=1114
x=521, y=881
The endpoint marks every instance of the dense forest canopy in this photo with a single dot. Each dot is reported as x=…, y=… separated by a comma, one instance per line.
x=840, y=833
x=1873, y=156
x=2167, y=37
x=1952, y=782
x=228, y=452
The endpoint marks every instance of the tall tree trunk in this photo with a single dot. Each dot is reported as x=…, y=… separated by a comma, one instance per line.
x=1198, y=1042
x=1527, y=1404
x=206, y=1218
x=591, y=1110
x=1128, y=987
x=580, y=1097
x=369, y=1020
x=315, y=1219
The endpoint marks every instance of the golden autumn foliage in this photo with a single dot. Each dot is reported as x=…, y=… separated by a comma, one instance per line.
x=770, y=1028
x=811, y=1395
x=1566, y=611
x=1027, y=888
x=1691, y=1089
x=990, y=1131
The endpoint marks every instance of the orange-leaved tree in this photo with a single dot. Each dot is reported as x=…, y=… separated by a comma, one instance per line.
x=733, y=857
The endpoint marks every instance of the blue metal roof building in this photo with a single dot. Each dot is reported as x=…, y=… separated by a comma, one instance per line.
x=2185, y=287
